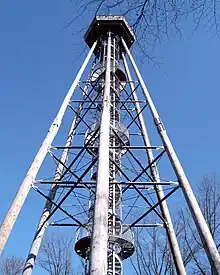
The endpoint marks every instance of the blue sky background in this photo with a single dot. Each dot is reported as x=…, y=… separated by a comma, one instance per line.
x=37, y=66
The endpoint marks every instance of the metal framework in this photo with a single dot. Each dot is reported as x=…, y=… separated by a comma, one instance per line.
x=107, y=181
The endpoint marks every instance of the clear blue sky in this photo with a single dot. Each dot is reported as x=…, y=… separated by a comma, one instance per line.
x=37, y=67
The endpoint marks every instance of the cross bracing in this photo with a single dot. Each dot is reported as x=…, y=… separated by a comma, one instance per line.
x=105, y=178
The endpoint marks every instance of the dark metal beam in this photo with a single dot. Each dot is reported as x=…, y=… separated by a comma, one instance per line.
x=153, y=207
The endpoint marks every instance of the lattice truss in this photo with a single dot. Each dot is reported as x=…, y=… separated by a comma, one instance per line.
x=100, y=173
x=134, y=188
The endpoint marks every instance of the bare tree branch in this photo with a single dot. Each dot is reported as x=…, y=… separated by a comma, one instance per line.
x=55, y=255
x=153, y=255
x=11, y=266
x=153, y=20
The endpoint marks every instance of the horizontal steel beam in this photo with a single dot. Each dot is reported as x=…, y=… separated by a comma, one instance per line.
x=110, y=147
x=112, y=101
x=130, y=134
x=68, y=183
x=89, y=81
x=128, y=225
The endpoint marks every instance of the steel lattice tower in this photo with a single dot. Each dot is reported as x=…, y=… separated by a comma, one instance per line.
x=107, y=156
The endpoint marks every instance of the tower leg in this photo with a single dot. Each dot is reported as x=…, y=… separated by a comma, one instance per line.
x=202, y=227
x=36, y=243
x=159, y=190
x=99, y=242
x=23, y=191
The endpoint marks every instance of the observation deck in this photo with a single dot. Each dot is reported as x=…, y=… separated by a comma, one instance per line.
x=101, y=25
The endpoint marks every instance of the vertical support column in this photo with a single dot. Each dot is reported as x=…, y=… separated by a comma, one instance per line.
x=99, y=242
x=113, y=174
x=36, y=243
x=202, y=227
x=24, y=189
x=159, y=189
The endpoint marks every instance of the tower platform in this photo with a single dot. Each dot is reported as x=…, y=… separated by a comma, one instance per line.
x=101, y=25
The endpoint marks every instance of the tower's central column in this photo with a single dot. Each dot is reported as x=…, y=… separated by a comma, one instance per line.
x=99, y=240
x=104, y=247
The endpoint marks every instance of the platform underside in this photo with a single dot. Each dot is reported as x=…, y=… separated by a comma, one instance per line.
x=101, y=25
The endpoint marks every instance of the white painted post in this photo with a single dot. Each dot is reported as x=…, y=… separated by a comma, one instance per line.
x=36, y=243
x=99, y=241
x=177, y=257
x=202, y=227
x=24, y=189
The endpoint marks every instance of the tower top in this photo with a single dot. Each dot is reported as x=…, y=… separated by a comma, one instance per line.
x=110, y=23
